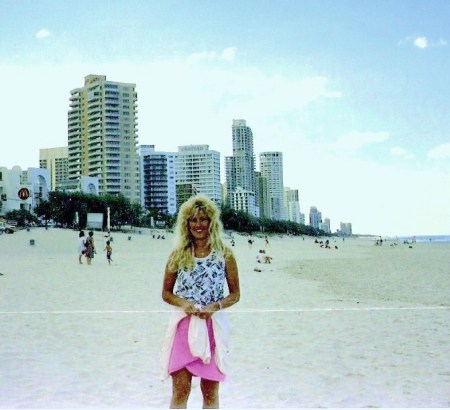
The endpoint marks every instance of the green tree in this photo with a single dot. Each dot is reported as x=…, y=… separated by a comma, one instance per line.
x=21, y=216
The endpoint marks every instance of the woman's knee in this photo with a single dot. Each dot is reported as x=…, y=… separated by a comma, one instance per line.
x=181, y=384
x=210, y=391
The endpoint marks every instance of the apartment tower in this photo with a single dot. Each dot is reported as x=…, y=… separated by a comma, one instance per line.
x=102, y=136
x=198, y=171
x=158, y=177
x=56, y=161
x=240, y=169
x=292, y=205
x=271, y=168
x=315, y=217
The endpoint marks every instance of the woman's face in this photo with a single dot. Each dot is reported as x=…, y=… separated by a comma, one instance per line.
x=198, y=225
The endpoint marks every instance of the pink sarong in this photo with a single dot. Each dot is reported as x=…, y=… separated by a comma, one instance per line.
x=181, y=356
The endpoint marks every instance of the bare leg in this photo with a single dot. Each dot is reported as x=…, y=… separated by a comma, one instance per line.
x=181, y=388
x=210, y=391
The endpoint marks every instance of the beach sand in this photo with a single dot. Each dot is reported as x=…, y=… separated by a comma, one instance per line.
x=357, y=326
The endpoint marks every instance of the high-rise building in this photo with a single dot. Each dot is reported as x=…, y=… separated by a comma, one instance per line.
x=292, y=205
x=102, y=135
x=240, y=168
x=243, y=200
x=315, y=217
x=346, y=229
x=271, y=168
x=56, y=161
x=325, y=225
x=158, y=180
x=198, y=171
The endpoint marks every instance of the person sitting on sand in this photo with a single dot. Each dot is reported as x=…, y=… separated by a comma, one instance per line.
x=262, y=257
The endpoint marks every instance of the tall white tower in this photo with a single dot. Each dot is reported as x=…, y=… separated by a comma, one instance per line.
x=199, y=167
x=271, y=168
x=55, y=160
x=102, y=135
x=240, y=167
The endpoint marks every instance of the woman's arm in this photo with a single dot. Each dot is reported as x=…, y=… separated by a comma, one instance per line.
x=232, y=276
x=169, y=297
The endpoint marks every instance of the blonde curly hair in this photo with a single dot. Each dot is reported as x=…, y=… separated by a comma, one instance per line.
x=182, y=256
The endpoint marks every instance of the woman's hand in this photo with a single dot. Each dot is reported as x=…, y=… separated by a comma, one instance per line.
x=189, y=308
x=207, y=311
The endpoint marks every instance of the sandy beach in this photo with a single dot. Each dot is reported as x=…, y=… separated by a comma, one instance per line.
x=357, y=326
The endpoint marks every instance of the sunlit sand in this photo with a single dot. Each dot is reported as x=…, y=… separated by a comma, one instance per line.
x=356, y=326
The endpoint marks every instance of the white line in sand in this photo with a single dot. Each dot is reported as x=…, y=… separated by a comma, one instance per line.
x=69, y=312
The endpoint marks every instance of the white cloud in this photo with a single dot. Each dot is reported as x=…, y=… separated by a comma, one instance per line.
x=401, y=152
x=354, y=140
x=440, y=152
x=421, y=42
x=228, y=54
x=43, y=33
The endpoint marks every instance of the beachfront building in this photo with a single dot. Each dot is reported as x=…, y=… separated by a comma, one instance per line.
x=242, y=200
x=86, y=185
x=56, y=161
x=158, y=182
x=262, y=192
x=292, y=205
x=325, y=225
x=346, y=229
x=271, y=168
x=315, y=217
x=102, y=136
x=21, y=189
x=184, y=192
x=198, y=171
x=240, y=170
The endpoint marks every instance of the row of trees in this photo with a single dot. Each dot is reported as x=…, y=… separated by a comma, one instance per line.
x=241, y=221
x=61, y=207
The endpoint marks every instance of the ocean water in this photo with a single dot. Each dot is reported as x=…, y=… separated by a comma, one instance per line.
x=424, y=238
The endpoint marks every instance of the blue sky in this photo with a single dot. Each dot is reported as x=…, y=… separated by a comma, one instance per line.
x=356, y=94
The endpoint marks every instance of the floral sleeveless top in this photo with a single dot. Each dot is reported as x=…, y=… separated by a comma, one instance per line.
x=205, y=283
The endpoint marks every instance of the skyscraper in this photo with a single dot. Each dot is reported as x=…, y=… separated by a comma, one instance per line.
x=55, y=160
x=240, y=167
x=292, y=205
x=198, y=167
x=102, y=135
x=158, y=176
x=271, y=168
x=315, y=217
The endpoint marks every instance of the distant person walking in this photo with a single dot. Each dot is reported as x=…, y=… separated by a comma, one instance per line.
x=81, y=246
x=90, y=247
x=250, y=240
x=108, y=249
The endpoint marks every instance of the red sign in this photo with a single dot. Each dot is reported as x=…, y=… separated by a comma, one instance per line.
x=23, y=193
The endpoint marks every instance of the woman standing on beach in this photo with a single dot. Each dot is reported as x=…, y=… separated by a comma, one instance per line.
x=81, y=246
x=194, y=281
x=90, y=247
